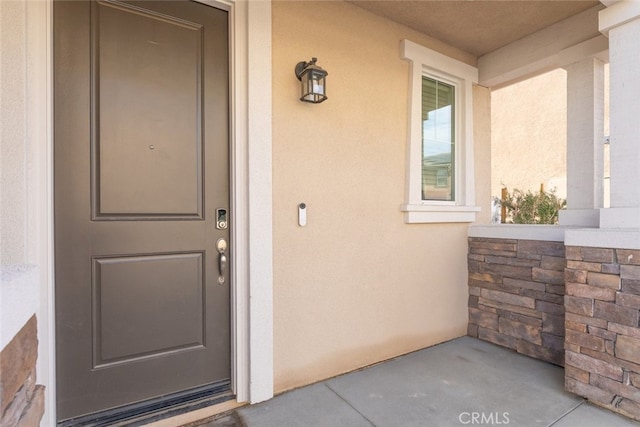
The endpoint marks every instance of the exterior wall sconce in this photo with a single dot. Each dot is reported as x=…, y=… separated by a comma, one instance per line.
x=313, y=81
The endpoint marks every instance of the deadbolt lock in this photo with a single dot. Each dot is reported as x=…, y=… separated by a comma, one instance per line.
x=221, y=219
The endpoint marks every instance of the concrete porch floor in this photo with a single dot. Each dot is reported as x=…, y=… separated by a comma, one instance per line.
x=461, y=382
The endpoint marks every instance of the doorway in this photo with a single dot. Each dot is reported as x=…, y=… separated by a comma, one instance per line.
x=141, y=148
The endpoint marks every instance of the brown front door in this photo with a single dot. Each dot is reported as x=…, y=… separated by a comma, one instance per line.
x=141, y=170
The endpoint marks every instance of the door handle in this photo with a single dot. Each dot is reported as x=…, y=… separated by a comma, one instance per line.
x=222, y=265
x=221, y=246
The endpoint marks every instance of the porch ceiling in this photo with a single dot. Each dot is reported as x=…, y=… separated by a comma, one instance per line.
x=476, y=27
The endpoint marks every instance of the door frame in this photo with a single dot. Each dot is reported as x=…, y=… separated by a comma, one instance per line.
x=251, y=193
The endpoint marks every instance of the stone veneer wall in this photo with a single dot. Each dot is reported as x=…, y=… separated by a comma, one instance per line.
x=602, y=327
x=21, y=400
x=516, y=290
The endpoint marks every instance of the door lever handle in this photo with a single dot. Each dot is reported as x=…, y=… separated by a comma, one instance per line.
x=222, y=265
x=221, y=246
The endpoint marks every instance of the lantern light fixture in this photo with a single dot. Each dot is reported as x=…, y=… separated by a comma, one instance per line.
x=313, y=81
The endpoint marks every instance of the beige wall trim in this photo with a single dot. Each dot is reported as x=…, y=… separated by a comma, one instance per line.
x=609, y=2
x=617, y=14
x=252, y=301
x=560, y=44
x=579, y=217
x=260, y=208
x=603, y=238
x=239, y=182
x=550, y=233
x=585, y=154
x=39, y=135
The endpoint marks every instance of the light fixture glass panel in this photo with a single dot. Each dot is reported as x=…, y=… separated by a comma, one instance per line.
x=313, y=84
x=318, y=83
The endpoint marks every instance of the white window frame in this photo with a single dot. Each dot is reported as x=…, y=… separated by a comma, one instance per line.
x=432, y=64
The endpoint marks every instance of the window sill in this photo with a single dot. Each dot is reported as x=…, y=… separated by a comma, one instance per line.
x=416, y=214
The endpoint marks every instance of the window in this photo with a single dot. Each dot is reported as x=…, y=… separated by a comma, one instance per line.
x=438, y=140
x=439, y=185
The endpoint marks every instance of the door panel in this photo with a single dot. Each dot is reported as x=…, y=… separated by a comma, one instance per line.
x=141, y=164
x=159, y=174
x=127, y=293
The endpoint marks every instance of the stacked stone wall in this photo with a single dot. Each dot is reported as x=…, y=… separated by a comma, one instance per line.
x=602, y=327
x=516, y=291
x=21, y=400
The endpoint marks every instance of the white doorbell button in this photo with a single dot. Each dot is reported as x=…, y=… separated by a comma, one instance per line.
x=302, y=214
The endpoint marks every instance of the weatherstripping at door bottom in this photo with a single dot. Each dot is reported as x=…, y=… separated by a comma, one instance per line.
x=156, y=409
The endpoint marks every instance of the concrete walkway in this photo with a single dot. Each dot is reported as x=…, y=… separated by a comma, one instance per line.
x=458, y=383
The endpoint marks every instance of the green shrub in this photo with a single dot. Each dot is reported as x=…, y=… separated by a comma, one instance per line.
x=532, y=208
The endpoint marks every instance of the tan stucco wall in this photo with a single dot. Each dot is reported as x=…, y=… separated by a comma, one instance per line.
x=482, y=132
x=24, y=175
x=13, y=168
x=356, y=285
x=19, y=297
x=529, y=134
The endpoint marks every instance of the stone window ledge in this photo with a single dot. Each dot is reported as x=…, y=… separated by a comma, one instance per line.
x=549, y=233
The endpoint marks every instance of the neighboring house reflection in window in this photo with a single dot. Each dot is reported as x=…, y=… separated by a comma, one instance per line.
x=438, y=140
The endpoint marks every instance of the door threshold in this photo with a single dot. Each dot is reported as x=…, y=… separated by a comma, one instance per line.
x=202, y=416
x=171, y=405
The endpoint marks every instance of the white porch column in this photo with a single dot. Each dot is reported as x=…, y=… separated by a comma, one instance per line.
x=585, y=138
x=622, y=23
